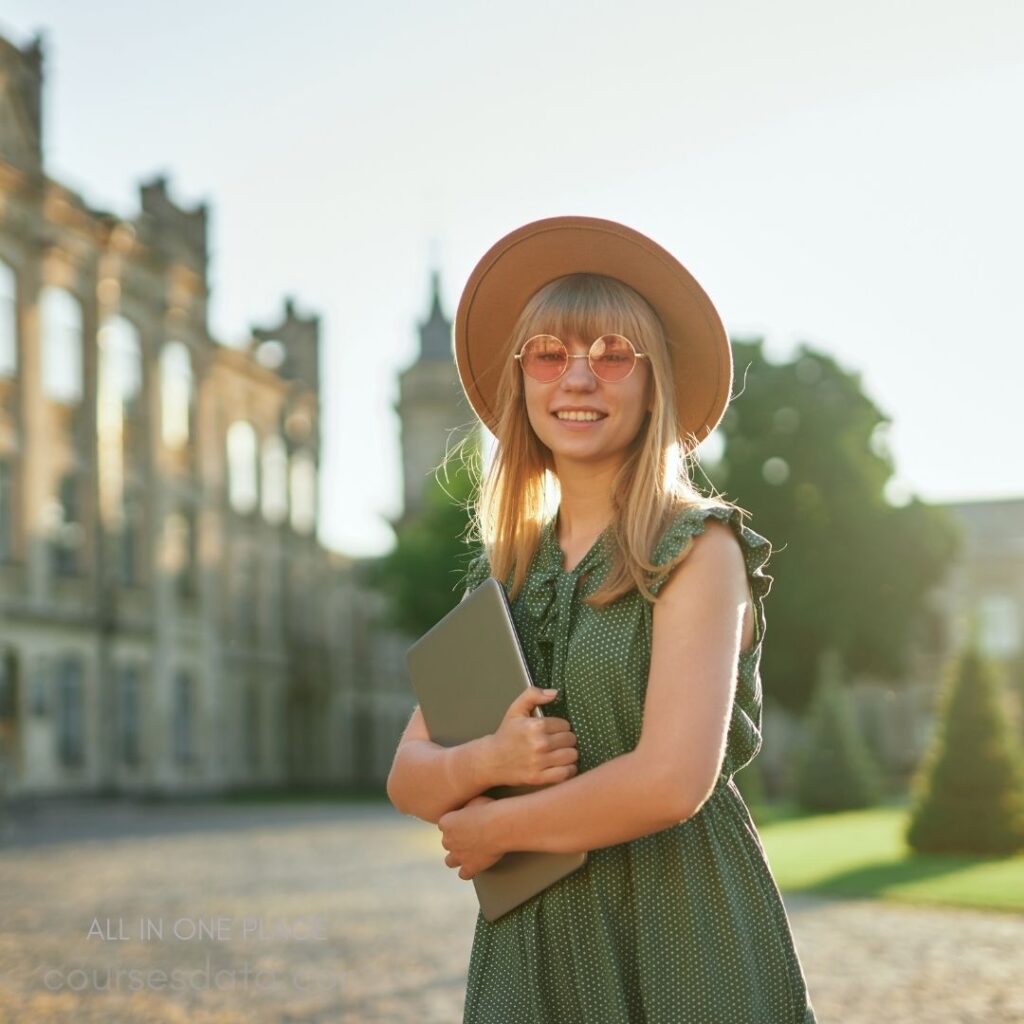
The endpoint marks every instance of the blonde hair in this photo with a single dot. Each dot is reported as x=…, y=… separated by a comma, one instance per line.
x=508, y=510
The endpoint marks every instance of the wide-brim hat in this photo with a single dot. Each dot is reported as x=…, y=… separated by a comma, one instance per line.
x=526, y=259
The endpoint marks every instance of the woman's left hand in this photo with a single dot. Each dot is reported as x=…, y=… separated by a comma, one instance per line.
x=465, y=834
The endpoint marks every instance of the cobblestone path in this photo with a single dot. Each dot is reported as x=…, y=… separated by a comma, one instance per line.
x=294, y=913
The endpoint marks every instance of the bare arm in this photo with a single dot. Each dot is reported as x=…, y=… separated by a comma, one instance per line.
x=702, y=616
x=612, y=803
x=428, y=780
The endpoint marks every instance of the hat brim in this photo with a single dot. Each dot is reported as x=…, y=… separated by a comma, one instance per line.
x=526, y=259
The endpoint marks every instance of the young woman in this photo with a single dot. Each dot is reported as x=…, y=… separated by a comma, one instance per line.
x=599, y=364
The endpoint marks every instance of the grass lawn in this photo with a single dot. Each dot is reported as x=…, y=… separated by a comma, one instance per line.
x=849, y=854
x=863, y=853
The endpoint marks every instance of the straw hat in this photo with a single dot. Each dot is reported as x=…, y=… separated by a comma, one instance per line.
x=525, y=260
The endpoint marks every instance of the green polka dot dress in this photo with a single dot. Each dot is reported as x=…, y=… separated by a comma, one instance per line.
x=683, y=926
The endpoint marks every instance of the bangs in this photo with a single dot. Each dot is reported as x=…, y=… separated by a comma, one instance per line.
x=586, y=306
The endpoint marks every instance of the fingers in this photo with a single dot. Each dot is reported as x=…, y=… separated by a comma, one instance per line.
x=558, y=773
x=562, y=739
x=565, y=755
x=464, y=873
x=551, y=724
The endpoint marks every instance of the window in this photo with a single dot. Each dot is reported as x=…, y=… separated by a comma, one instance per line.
x=60, y=317
x=176, y=394
x=242, y=489
x=8, y=686
x=246, y=595
x=303, y=492
x=8, y=321
x=179, y=555
x=129, y=716
x=271, y=354
x=6, y=512
x=70, y=723
x=131, y=528
x=39, y=686
x=275, y=480
x=66, y=533
x=120, y=362
x=183, y=701
x=190, y=581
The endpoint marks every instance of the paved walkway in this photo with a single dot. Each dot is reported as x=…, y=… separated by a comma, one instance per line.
x=317, y=912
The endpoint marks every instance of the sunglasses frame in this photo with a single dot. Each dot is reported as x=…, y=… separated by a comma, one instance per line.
x=582, y=355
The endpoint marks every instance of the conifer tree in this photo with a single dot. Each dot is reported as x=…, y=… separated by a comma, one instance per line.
x=836, y=771
x=968, y=791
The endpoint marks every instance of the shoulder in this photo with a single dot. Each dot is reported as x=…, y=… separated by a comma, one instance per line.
x=713, y=559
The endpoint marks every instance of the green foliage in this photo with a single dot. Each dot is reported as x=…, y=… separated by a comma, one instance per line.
x=836, y=771
x=968, y=792
x=422, y=575
x=805, y=452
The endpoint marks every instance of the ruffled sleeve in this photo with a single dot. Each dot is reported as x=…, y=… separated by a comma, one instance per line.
x=744, y=734
x=692, y=521
x=476, y=572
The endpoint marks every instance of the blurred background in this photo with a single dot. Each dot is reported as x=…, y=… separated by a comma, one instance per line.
x=232, y=241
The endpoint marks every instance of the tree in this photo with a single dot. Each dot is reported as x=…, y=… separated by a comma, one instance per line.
x=421, y=576
x=805, y=452
x=968, y=792
x=837, y=771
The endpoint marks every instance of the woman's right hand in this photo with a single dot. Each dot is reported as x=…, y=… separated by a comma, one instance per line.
x=530, y=751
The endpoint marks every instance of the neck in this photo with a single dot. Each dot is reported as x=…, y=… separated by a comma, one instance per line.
x=585, y=508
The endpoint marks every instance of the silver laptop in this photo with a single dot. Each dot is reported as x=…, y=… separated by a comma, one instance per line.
x=466, y=671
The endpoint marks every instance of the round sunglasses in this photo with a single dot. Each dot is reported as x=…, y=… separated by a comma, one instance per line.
x=611, y=357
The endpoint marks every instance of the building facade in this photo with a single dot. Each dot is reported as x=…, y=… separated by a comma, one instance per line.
x=163, y=595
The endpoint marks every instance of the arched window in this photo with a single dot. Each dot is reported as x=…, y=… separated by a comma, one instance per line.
x=302, y=485
x=176, y=394
x=120, y=361
x=275, y=480
x=242, y=488
x=8, y=321
x=60, y=318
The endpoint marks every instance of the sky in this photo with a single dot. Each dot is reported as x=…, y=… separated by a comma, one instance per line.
x=841, y=175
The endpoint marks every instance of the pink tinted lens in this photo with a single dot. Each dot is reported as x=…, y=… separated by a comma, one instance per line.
x=544, y=357
x=612, y=356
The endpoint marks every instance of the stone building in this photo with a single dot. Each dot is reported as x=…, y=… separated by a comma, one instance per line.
x=164, y=601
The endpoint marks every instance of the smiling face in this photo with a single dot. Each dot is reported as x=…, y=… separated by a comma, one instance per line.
x=621, y=407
